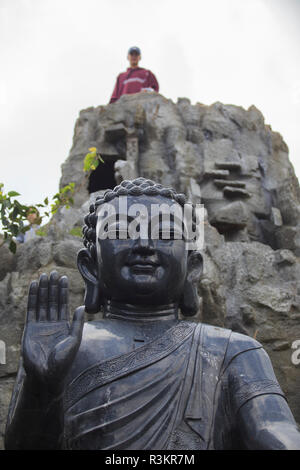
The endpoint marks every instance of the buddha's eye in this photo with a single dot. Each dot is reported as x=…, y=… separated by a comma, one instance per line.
x=118, y=231
x=122, y=234
x=170, y=234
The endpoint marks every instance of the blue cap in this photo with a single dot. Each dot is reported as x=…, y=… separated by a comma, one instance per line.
x=134, y=50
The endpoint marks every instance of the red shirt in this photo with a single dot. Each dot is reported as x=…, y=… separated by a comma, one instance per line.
x=132, y=81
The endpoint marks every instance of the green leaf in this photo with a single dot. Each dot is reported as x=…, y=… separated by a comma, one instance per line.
x=100, y=158
x=40, y=232
x=76, y=232
x=6, y=204
x=87, y=162
x=46, y=201
x=91, y=159
x=13, y=247
x=20, y=206
x=14, y=229
x=13, y=194
x=15, y=213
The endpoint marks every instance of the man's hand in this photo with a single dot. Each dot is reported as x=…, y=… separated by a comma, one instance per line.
x=49, y=342
x=147, y=90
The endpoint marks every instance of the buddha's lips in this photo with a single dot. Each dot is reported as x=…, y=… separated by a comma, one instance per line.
x=142, y=262
x=143, y=266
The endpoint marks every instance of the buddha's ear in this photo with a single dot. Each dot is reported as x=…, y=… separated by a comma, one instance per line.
x=87, y=267
x=189, y=303
x=194, y=266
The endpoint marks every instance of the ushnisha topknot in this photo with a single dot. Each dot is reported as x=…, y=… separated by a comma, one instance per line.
x=137, y=187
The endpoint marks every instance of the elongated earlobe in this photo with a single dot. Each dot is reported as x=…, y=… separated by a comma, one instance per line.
x=190, y=303
x=87, y=267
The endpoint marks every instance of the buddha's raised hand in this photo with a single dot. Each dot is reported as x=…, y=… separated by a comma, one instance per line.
x=50, y=343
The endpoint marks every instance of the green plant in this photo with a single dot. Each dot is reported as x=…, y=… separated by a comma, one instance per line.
x=41, y=233
x=14, y=215
x=63, y=198
x=92, y=160
x=76, y=232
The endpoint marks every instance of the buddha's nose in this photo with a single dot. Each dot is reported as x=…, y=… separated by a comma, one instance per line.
x=143, y=246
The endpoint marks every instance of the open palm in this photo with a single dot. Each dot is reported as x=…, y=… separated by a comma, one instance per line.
x=50, y=343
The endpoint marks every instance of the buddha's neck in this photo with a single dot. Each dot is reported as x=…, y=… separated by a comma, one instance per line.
x=140, y=312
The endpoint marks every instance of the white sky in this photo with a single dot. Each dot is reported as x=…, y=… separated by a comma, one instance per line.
x=60, y=56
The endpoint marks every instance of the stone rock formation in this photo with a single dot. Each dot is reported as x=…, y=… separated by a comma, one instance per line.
x=221, y=155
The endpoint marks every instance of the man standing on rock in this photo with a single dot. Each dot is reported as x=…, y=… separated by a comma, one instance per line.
x=135, y=79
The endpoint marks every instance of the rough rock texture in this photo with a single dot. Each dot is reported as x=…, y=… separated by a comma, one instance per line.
x=42, y=254
x=221, y=155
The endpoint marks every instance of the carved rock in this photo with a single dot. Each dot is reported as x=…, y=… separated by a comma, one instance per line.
x=251, y=266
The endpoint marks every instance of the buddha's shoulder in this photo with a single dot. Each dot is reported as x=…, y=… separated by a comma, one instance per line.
x=104, y=330
x=101, y=340
x=106, y=337
x=231, y=342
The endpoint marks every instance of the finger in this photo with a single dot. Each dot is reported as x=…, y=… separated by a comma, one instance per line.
x=77, y=323
x=32, y=302
x=63, y=311
x=53, y=297
x=42, y=303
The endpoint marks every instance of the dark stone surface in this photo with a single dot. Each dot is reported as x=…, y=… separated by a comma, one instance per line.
x=140, y=378
x=251, y=271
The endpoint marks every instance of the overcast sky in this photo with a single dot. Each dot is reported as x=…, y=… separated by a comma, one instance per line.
x=60, y=56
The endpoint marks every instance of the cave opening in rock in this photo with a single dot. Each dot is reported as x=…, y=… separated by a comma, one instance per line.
x=103, y=177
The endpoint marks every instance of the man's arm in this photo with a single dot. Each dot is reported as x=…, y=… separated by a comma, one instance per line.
x=116, y=94
x=152, y=82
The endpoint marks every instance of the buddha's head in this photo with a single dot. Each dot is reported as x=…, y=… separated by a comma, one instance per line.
x=136, y=249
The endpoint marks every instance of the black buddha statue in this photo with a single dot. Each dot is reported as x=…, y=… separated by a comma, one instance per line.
x=140, y=378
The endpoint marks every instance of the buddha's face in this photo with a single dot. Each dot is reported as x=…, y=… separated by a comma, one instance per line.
x=144, y=271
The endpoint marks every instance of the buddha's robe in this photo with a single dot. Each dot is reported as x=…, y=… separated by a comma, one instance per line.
x=182, y=390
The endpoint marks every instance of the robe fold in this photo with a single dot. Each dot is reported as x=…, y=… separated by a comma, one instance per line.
x=130, y=401
x=180, y=391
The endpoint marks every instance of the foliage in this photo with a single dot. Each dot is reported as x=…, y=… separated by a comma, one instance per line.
x=76, y=232
x=92, y=160
x=41, y=233
x=63, y=198
x=14, y=215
